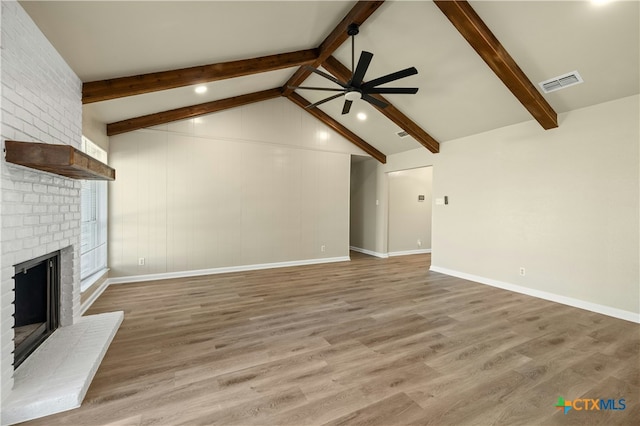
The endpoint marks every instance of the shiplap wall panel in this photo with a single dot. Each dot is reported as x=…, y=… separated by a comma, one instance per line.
x=257, y=184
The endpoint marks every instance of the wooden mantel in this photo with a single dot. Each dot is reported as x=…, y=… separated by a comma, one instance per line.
x=63, y=160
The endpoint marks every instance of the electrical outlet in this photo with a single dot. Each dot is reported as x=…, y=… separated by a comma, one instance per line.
x=522, y=271
x=141, y=261
x=419, y=243
x=322, y=248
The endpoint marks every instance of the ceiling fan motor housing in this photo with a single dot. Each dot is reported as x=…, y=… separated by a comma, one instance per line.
x=353, y=95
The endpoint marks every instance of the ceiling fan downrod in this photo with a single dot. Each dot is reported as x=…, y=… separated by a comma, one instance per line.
x=352, y=31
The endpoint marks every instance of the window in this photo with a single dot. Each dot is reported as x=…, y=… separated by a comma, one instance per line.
x=93, y=243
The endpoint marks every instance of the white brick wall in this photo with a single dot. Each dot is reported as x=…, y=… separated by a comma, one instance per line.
x=40, y=212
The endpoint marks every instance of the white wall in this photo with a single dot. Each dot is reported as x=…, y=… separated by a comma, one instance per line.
x=94, y=129
x=562, y=203
x=260, y=184
x=41, y=102
x=409, y=219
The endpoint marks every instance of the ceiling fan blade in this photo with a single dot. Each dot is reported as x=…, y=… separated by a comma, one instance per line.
x=374, y=101
x=361, y=68
x=327, y=89
x=390, y=77
x=393, y=90
x=347, y=107
x=327, y=76
x=330, y=98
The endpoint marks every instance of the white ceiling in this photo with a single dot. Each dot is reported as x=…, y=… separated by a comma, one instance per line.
x=459, y=95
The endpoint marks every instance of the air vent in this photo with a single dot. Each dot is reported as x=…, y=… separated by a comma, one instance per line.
x=561, y=82
x=402, y=134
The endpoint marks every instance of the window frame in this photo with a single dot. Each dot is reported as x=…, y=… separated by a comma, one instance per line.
x=93, y=256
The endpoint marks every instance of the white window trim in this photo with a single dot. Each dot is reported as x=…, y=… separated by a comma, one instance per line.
x=98, y=252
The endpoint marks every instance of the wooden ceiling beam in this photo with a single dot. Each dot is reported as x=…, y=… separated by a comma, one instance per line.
x=357, y=15
x=341, y=72
x=114, y=88
x=346, y=133
x=480, y=37
x=189, y=112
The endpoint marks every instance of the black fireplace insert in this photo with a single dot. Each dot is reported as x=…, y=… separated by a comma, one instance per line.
x=37, y=303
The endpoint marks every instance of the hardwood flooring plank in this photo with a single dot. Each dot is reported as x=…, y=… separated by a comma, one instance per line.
x=325, y=409
x=475, y=405
x=252, y=412
x=396, y=409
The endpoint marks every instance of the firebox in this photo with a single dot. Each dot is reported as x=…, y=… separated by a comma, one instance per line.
x=37, y=303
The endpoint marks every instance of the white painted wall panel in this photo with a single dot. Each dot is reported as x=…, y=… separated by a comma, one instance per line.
x=264, y=189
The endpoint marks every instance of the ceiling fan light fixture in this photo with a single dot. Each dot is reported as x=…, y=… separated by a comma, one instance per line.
x=353, y=95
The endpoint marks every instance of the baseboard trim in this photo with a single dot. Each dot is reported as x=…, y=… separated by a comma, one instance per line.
x=223, y=270
x=369, y=252
x=408, y=252
x=576, y=303
x=94, y=296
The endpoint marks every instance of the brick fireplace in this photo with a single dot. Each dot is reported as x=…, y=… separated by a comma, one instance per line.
x=40, y=211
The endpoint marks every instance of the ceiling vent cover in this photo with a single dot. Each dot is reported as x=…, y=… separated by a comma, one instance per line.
x=561, y=82
x=402, y=134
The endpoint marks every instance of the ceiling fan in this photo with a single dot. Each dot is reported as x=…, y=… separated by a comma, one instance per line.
x=355, y=88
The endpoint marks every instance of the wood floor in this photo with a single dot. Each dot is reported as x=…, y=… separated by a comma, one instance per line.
x=371, y=341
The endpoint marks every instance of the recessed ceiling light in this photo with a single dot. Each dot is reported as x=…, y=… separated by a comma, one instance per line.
x=322, y=135
x=201, y=89
x=361, y=116
x=600, y=2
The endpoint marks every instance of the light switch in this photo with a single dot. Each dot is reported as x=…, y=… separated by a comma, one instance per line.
x=439, y=201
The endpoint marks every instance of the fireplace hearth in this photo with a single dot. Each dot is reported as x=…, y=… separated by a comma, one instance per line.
x=37, y=303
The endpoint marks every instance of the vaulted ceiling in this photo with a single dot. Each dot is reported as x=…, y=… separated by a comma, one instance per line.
x=478, y=63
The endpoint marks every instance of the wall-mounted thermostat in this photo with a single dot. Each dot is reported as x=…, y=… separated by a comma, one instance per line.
x=442, y=201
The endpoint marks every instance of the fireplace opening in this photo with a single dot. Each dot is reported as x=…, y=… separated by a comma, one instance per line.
x=37, y=303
